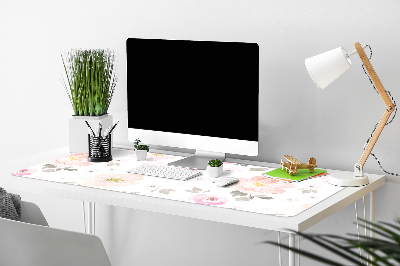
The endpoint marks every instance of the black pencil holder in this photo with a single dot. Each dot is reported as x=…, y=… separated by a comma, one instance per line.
x=99, y=149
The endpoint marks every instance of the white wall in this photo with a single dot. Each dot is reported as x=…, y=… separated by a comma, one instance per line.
x=295, y=117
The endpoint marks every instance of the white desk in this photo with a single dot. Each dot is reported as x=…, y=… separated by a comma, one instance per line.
x=298, y=223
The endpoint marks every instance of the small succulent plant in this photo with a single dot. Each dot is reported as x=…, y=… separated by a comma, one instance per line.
x=215, y=163
x=140, y=147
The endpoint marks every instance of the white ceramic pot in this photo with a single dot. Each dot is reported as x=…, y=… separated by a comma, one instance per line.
x=141, y=155
x=214, y=171
x=78, y=131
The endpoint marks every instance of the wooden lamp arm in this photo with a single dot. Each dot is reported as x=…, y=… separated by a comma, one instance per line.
x=389, y=109
x=371, y=71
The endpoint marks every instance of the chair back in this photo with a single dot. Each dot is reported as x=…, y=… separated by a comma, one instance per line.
x=32, y=214
x=23, y=243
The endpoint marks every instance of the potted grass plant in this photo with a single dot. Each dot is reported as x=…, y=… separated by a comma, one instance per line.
x=90, y=83
x=215, y=168
x=140, y=150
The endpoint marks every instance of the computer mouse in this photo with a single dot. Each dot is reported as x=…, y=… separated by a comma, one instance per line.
x=224, y=181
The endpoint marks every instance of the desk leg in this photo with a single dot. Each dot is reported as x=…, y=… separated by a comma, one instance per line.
x=298, y=247
x=292, y=238
x=372, y=210
x=89, y=214
x=372, y=214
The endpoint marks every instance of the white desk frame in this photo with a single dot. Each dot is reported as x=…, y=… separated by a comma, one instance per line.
x=90, y=196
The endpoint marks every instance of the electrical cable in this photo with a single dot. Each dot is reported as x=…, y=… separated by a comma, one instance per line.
x=387, y=123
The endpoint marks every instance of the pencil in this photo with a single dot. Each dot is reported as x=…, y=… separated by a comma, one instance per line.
x=89, y=127
x=112, y=129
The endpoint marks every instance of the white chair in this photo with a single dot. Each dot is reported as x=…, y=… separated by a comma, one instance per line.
x=32, y=243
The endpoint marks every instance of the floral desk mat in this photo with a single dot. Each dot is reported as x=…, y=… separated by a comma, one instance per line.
x=253, y=193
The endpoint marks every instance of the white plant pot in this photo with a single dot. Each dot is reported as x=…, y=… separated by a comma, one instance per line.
x=78, y=131
x=141, y=155
x=214, y=171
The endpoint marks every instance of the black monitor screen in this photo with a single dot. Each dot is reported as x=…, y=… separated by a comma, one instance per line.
x=193, y=87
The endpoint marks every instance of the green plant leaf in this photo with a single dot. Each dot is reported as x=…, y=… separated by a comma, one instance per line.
x=91, y=80
x=384, y=251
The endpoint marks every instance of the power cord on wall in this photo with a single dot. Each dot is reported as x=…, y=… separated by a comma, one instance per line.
x=390, y=121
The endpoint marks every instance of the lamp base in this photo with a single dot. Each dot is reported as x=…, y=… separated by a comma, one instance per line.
x=347, y=179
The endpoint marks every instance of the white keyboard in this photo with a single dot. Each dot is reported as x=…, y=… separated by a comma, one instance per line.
x=164, y=171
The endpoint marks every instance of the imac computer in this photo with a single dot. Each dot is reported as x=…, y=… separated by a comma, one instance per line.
x=200, y=95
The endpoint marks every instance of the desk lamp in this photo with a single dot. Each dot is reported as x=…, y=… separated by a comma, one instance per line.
x=323, y=70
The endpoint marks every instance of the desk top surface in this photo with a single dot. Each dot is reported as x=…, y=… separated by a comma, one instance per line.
x=245, y=203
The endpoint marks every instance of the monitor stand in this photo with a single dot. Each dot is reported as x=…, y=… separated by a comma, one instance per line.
x=199, y=160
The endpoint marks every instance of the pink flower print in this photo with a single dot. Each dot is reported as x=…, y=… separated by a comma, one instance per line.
x=231, y=167
x=312, y=197
x=207, y=199
x=24, y=172
x=159, y=157
x=309, y=185
x=323, y=179
x=237, y=207
x=75, y=159
x=262, y=185
x=290, y=199
x=113, y=180
x=152, y=187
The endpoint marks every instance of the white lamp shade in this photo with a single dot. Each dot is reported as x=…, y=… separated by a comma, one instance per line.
x=326, y=67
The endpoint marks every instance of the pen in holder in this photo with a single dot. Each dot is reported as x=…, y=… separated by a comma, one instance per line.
x=99, y=149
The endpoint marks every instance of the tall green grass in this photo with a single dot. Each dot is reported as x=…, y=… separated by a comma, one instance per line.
x=91, y=80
